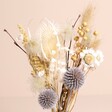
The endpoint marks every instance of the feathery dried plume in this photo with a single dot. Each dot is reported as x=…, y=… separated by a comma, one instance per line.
x=23, y=32
x=73, y=78
x=30, y=44
x=95, y=43
x=88, y=14
x=37, y=84
x=48, y=99
x=67, y=31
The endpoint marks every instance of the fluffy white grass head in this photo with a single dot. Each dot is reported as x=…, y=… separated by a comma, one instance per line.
x=67, y=30
x=37, y=84
x=32, y=46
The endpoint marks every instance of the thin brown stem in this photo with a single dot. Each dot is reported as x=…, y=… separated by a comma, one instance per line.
x=68, y=54
x=87, y=71
x=15, y=41
x=76, y=21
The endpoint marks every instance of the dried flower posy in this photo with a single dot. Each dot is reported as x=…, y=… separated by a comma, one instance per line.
x=59, y=61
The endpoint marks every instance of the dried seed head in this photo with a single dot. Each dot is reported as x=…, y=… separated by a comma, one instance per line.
x=48, y=98
x=73, y=78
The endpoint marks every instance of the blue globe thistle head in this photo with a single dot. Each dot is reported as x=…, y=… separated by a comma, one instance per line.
x=48, y=98
x=73, y=78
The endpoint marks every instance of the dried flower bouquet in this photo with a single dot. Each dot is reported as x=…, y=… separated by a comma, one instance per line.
x=60, y=60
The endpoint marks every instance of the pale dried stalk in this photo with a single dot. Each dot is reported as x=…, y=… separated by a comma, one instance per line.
x=53, y=110
x=72, y=101
x=63, y=99
x=56, y=89
x=74, y=92
x=73, y=98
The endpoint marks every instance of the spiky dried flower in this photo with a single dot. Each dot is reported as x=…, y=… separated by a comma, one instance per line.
x=48, y=98
x=73, y=78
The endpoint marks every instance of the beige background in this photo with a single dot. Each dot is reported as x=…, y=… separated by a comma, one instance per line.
x=15, y=90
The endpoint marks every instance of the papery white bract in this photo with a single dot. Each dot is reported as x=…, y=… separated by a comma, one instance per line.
x=99, y=57
x=41, y=73
x=20, y=38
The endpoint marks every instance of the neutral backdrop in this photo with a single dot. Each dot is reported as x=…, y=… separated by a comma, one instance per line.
x=15, y=88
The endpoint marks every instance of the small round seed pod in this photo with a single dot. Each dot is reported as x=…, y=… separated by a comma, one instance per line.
x=76, y=38
x=95, y=33
x=74, y=57
x=84, y=24
x=85, y=37
x=73, y=78
x=47, y=99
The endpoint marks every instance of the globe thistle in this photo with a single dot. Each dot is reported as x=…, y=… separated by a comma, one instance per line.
x=47, y=98
x=73, y=78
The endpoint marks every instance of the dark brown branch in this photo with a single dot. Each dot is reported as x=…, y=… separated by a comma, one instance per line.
x=15, y=41
x=76, y=21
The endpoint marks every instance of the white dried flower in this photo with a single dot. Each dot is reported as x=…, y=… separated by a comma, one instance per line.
x=88, y=57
